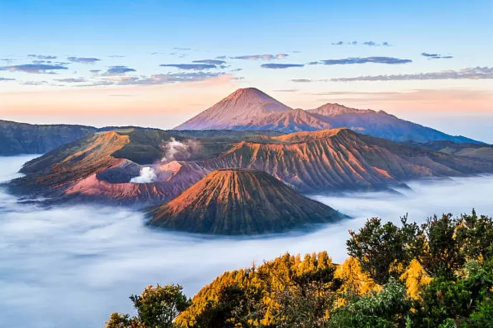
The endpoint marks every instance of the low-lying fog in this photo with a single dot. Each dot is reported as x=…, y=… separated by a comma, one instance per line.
x=73, y=266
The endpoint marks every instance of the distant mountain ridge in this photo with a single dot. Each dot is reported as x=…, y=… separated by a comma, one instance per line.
x=480, y=151
x=381, y=124
x=252, y=109
x=247, y=109
x=102, y=166
x=22, y=138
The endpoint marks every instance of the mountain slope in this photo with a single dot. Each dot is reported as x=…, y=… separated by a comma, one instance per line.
x=75, y=161
x=135, y=166
x=340, y=159
x=238, y=108
x=289, y=121
x=234, y=202
x=22, y=138
x=251, y=109
x=380, y=124
x=480, y=151
x=101, y=166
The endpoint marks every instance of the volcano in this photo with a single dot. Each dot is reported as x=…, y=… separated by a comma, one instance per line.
x=102, y=166
x=239, y=108
x=240, y=202
x=252, y=109
x=287, y=122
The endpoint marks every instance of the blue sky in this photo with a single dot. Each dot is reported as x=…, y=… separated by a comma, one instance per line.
x=130, y=40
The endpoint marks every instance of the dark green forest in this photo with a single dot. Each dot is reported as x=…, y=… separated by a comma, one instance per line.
x=437, y=274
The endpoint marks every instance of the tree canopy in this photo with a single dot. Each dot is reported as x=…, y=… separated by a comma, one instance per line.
x=437, y=274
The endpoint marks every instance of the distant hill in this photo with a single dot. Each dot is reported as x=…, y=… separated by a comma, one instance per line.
x=240, y=202
x=154, y=166
x=252, y=109
x=380, y=124
x=247, y=109
x=480, y=151
x=22, y=138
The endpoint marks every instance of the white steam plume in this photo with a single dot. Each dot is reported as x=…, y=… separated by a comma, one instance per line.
x=147, y=175
x=176, y=150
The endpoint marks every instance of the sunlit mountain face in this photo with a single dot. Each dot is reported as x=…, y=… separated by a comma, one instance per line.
x=196, y=142
x=207, y=175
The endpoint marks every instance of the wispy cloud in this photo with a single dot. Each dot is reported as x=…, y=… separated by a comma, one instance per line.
x=72, y=80
x=363, y=60
x=120, y=78
x=435, y=56
x=5, y=79
x=155, y=79
x=194, y=67
x=261, y=57
x=34, y=83
x=95, y=71
x=365, y=43
x=118, y=70
x=182, y=49
x=116, y=56
x=83, y=60
x=302, y=80
x=349, y=93
x=175, y=78
x=286, y=90
x=474, y=73
x=448, y=100
x=33, y=68
x=41, y=57
x=210, y=61
x=280, y=66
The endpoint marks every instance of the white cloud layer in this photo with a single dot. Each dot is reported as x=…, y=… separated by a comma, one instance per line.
x=73, y=266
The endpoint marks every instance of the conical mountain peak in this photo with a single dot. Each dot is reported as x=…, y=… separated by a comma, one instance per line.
x=239, y=201
x=252, y=109
x=247, y=92
x=238, y=108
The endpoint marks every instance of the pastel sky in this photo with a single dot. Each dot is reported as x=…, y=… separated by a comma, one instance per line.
x=156, y=63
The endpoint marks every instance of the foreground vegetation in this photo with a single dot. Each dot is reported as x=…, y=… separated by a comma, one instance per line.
x=438, y=274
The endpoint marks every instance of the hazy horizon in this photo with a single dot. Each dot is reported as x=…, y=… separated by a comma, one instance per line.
x=479, y=127
x=83, y=62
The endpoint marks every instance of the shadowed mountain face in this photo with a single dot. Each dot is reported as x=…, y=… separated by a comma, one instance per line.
x=380, y=124
x=251, y=109
x=20, y=138
x=240, y=202
x=150, y=166
x=459, y=149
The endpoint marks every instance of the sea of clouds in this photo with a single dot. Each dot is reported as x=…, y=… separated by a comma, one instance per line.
x=73, y=266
